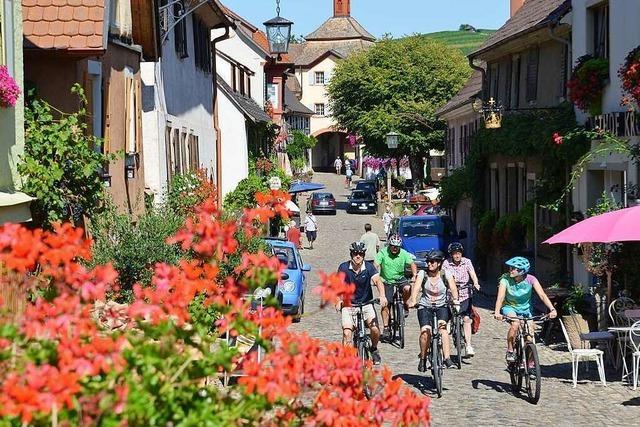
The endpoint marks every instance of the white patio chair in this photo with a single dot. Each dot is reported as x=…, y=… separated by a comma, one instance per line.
x=617, y=309
x=586, y=354
x=634, y=339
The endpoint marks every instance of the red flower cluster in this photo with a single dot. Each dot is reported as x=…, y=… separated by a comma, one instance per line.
x=304, y=379
x=557, y=138
x=587, y=83
x=630, y=75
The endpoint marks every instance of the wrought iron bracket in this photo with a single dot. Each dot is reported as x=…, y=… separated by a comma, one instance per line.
x=186, y=8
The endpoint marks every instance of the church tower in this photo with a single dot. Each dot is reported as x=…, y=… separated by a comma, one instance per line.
x=341, y=8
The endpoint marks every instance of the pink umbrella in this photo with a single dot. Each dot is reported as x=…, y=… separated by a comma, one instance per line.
x=618, y=226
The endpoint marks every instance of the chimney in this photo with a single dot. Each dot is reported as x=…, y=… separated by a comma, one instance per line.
x=515, y=6
x=342, y=8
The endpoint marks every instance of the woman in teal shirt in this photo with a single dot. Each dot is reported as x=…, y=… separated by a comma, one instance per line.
x=514, y=297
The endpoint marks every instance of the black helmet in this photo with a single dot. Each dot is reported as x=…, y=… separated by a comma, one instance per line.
x=435, y=254
x=455, y=247
x=357, y=247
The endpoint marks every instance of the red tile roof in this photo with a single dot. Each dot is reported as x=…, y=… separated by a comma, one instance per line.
x=75, y=25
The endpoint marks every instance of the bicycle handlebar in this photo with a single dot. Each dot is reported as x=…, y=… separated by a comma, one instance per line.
x=398, y=283
x=373, y=301
x=510, y=319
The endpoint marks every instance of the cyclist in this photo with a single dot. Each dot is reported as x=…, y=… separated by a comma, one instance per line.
x=362, y=275
x=514, y=298
x=462, y=271
x=434, y=292
x=391, y=262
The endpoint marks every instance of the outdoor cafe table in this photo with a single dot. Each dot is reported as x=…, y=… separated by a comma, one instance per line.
x=622, y=332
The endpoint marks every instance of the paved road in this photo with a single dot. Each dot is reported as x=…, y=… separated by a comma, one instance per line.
x=479, y=393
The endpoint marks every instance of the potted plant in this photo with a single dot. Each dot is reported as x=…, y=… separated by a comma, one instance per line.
x=586, y=85
x=630, y=76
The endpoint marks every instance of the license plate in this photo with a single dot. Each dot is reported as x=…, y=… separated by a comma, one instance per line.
x=363, y=207
x=324, y=203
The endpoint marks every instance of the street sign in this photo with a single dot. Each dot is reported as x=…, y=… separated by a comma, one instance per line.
x=275, y=183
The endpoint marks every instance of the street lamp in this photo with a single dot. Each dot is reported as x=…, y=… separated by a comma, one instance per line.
x=392, y=144
x=278, y=33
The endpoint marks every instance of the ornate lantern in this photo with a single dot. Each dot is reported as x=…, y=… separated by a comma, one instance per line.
x=491, y=111
x=278, y=33
x=392, y=140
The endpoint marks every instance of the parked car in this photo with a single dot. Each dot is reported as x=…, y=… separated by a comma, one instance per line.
x=420, y=234
x=367, y=185
x=322, y=202
x=362, y=201
x=292, y=287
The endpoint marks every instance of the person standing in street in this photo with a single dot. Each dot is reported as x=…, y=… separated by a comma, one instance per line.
x=338, y=165
x=311, y=228
x=387, y=218
x=371, y=243
x=293, y=234
x=348, y=177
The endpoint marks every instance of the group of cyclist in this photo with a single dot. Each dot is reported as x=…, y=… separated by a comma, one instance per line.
x=445, y=288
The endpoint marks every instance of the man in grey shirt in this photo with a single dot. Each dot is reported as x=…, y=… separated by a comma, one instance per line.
x=371, y=242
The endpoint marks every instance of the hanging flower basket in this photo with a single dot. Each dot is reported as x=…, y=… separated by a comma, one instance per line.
x=587, y=82
x=630, y=76
x=9, y=89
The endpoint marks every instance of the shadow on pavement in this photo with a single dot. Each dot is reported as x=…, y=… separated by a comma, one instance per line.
x=632, y=402
x=423, y=383
x=562, y=371
x=498, y=387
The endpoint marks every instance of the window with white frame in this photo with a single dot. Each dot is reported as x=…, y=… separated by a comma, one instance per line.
x=319, y=109
x=319, y=78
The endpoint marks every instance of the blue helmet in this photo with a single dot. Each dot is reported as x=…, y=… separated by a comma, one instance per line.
x=520, y=263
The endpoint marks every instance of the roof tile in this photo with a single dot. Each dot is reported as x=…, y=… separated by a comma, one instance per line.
x=64, y=24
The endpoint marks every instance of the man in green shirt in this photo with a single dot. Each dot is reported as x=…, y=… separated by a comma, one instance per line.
x=391, y=262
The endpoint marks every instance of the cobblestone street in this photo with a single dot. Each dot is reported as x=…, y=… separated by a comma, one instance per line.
x=480, y=393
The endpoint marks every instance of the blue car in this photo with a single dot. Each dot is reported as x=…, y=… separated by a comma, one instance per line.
x=292, y=287
x=422, y=233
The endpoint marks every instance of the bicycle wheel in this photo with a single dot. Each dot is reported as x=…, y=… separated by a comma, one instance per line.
x=436, y=366
x=532, y=373
x=457, y=339
x=400, y=322
x=515, y=373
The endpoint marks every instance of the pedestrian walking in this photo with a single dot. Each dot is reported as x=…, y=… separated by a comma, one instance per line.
x=347, y=164
x=311, y=228
x=338, y=165
x=348, y=178
x=371, y=243
x=293, y=234
x=387, y=218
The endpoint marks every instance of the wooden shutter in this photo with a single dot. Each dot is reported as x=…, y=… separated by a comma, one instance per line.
x=127, y=114
x=138, y=104
x=507, y=86
x=532, y=74
x=168, y=148
x=106, y=147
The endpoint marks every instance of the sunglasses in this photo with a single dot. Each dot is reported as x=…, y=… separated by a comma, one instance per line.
x=433, y=261
x=357, y=253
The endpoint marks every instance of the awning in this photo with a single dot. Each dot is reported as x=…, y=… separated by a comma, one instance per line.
x=14, y=207
x=301, y=187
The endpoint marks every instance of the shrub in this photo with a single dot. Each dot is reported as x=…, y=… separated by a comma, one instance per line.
x=189, y=190
x=300, y=144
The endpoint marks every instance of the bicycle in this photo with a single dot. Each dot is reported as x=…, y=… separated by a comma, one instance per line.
x=362, y=342
x=436, y=353
x=397, y=319
x=457, y=331
x=526, y=364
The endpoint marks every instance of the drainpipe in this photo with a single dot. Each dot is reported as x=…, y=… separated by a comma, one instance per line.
x=216, y=124
x=482, y=71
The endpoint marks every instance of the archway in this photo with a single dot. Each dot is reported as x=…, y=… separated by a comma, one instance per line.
x=331, y=144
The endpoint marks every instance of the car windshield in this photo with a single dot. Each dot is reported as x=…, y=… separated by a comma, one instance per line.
x=422, y=228
x=322, y=196
x=361, y=195
x=282, y=251
x=365, y=186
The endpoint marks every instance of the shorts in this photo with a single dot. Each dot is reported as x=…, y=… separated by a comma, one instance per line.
x=311, y=235
x=388, y=292
x=349, y=315
x=509, y=311
x=425, y=315
x=465, y=308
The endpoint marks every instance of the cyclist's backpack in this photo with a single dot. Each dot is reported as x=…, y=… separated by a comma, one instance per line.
x=475, y=320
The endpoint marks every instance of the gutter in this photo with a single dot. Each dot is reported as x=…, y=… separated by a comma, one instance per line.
x=482, y=71
x=216, y=122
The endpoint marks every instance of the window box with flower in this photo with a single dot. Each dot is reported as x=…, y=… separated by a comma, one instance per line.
x=586, y=85
x=630, y=76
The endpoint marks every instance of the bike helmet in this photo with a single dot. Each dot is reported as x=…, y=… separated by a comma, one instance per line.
x=395, y=240
x=435, y=255
x=521, y=263
x=357, y=247
x=455, y=247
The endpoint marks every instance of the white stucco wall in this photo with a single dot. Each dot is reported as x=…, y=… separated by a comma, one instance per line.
x=233, y=144
x=183, y=99
x=317, y=94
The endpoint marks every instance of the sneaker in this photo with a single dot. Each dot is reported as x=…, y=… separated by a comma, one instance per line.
x=375, y=356
x=470, y=351
x=422, y=364
x=385, y=336
x=510, y=357
x=448, y=363
x=406, y=311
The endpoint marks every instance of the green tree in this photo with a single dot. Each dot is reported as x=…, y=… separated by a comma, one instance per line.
x=60, y=163
x=300, y=144
x=397, y=85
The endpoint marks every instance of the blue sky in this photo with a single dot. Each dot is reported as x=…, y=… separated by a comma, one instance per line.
x=398, y=17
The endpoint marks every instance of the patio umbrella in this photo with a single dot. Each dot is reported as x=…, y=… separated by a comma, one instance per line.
x=301, y=187
x=617, y=226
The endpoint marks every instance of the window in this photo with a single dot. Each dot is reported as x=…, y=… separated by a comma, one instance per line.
x=180, y=30
x=183, y=151
x=507, y=84
x=241, y=79
x=516, y=67
x=168, y=151
x=319, y=79
x=194, y=156
x=532, y=74
x=600, y=17
x=495, y=188
x=494, y=78
x=234, y=78
x=319, y=109
x=132, y=112
x=175, y=152
x=201, y=49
